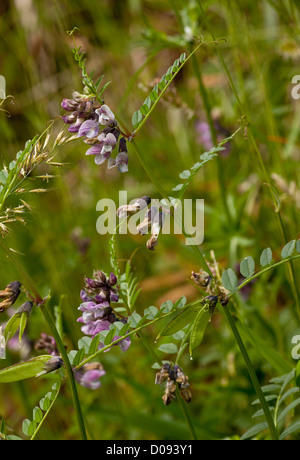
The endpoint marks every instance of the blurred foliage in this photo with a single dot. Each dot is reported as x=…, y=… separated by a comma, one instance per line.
x=133, y=42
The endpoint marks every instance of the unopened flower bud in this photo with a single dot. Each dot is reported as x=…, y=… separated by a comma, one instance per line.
x=26, y=308
x=212, y=301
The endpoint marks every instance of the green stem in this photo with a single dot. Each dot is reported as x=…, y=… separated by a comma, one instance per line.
x=69, y=370
x=187, y=416
x=261, y=272
x=253, y=375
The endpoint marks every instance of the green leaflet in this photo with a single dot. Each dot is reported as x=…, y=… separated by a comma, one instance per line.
x=266, y=257
x=12, y=326
x=229, y=280
x=247, y=267
x=288, y=249
x=198, y=329
x=180, y=319
x=24, y=370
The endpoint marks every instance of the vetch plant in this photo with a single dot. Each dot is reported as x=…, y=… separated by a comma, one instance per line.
x=114, y=316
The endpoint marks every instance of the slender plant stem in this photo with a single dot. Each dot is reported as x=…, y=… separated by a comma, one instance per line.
x=69, y=370
x=187, y=417
x=252, y=374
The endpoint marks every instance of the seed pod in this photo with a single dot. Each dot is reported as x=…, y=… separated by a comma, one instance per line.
x=9, y=295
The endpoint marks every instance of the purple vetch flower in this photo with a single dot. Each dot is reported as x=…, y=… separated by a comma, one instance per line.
x=89, y=375
x=106, y=142
x=100, y=288
x=80, y=108
x=106, y=116
x=89, y=128
x=98, y=315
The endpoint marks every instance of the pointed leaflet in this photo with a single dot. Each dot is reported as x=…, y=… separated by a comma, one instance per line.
x=179, y=320
x=199, y=327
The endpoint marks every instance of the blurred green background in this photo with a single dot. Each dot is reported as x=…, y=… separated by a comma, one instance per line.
x=133, y=42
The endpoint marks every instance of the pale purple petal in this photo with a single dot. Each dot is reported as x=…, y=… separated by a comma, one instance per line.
x=106, y=116
x=90, y=128
x=94, y=150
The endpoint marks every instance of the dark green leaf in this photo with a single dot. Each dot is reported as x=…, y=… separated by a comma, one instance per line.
x=179, y=320
x=198, y=329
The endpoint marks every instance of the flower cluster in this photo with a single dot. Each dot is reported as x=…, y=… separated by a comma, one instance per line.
x=174, y=378
x=97, y=313
x=86, y=120
x=80, y=108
